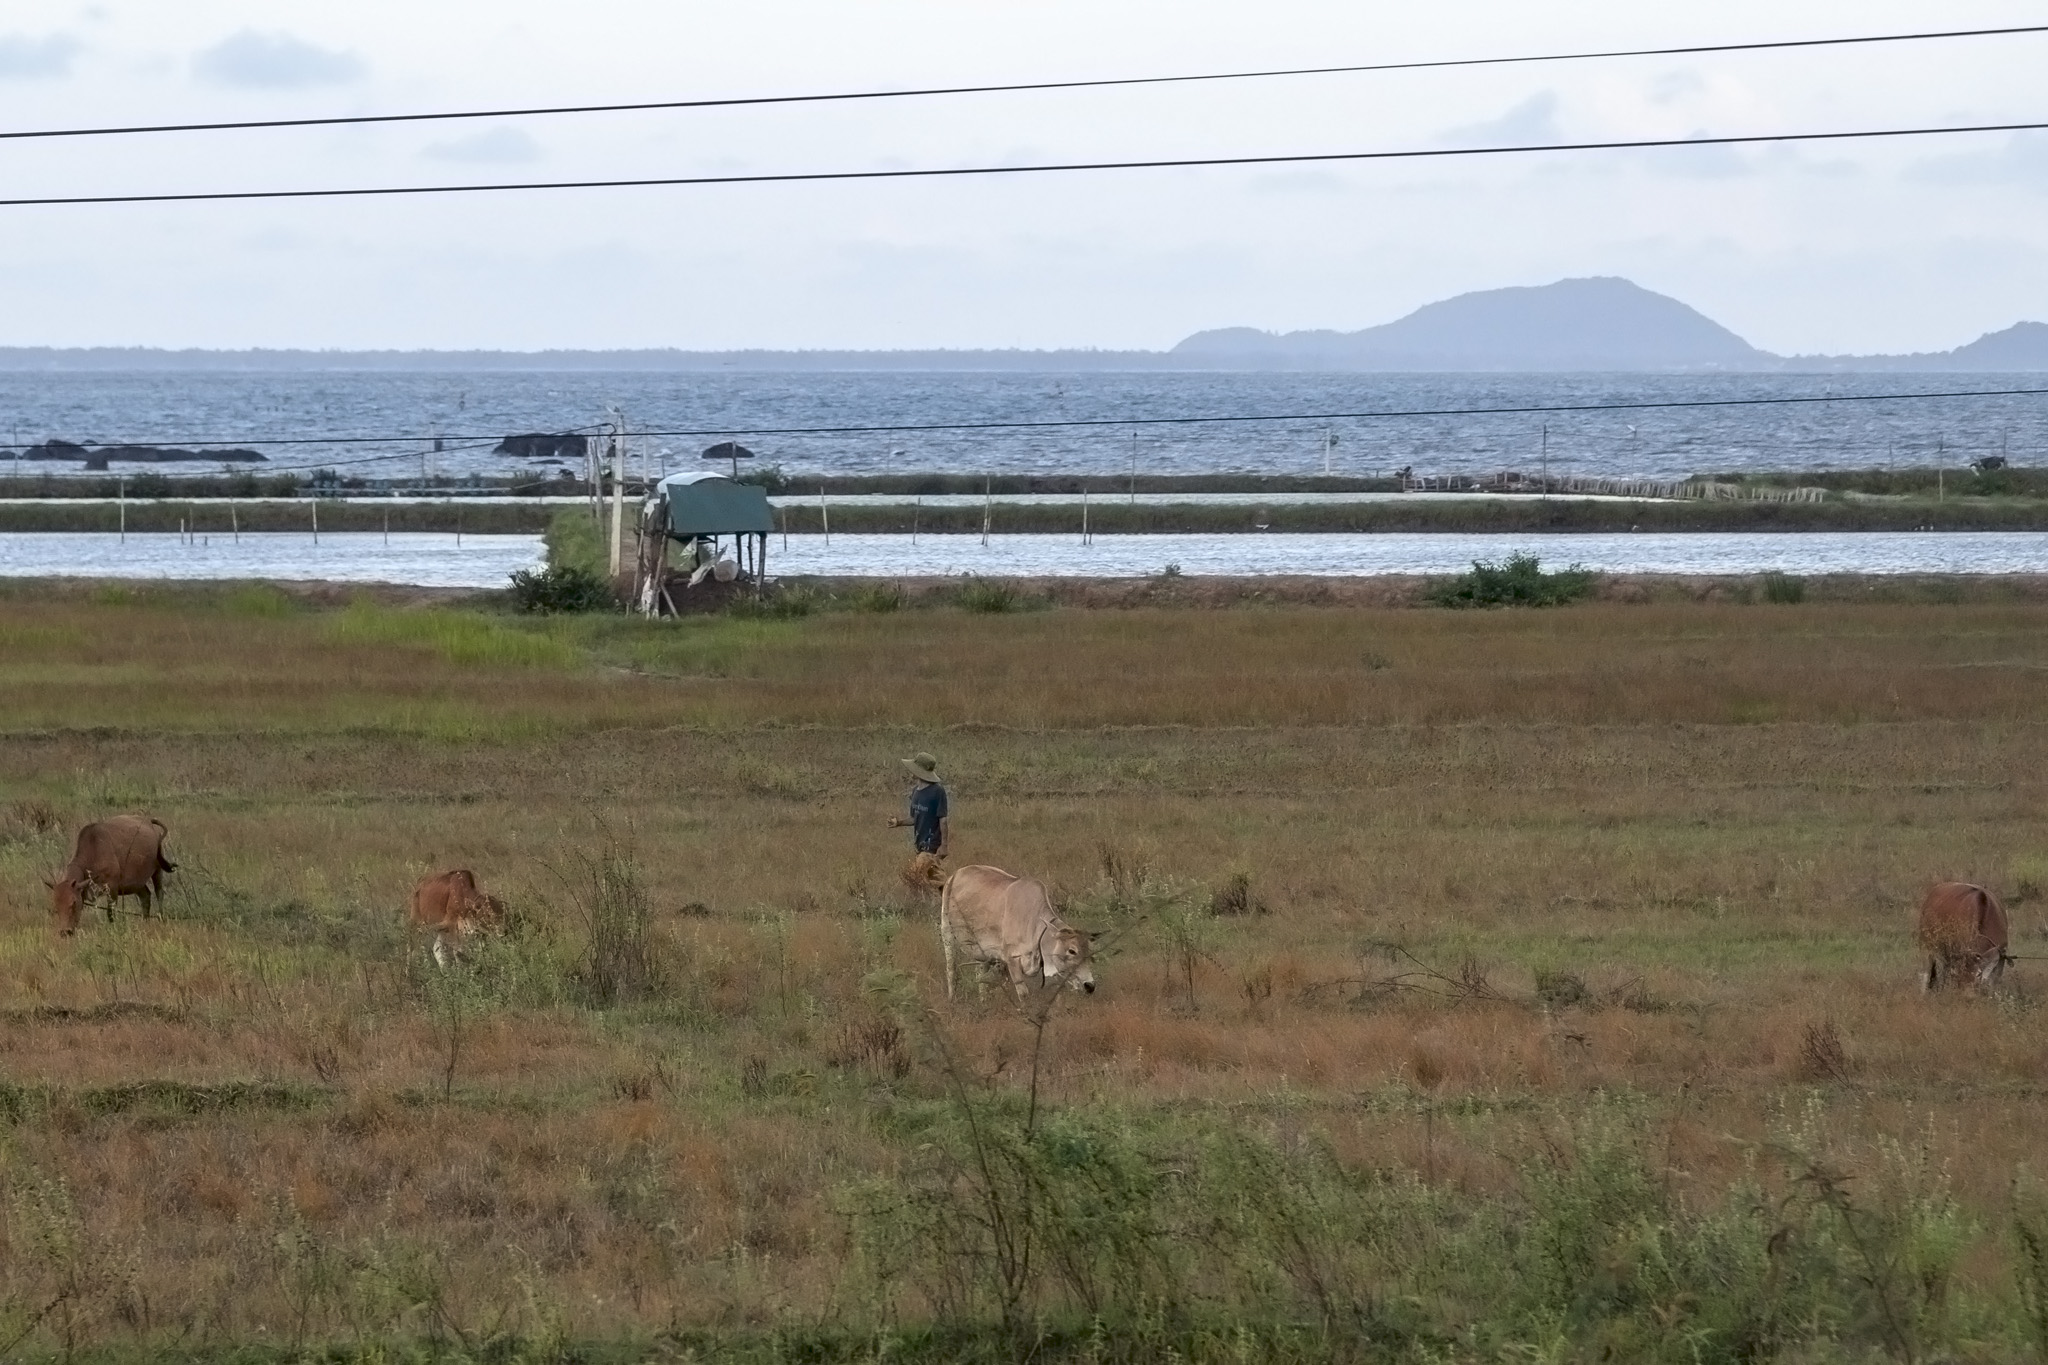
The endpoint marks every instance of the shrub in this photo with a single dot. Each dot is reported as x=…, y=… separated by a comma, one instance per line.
x=1784, y=588
x=1517, y=581
x=561, y=588
x=786, y=603
x=1235, y=898
x=620, y=958
x=988, y=595
x=878, y=597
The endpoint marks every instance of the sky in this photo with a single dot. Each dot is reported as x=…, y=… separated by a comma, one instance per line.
x=1901, y=245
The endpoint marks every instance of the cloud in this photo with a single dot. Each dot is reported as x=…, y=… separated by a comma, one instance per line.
x=1676, y=85
x=2022, y=161
x=491, y=145
x=25, y=58
x=274, y=61
x=1534, y=120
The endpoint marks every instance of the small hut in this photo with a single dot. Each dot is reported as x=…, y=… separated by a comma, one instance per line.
x=704, y=534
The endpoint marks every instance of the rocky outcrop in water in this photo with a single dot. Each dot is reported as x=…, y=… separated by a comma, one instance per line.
x=99, y=457
x=541, y=446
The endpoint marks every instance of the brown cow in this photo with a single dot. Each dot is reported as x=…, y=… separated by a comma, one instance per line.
x=988, y=916
x=121, y=856
x=450, y=904
x=1963, y=931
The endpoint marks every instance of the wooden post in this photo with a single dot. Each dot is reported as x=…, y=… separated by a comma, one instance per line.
x=1084, y=514
x=916, y=511
x=987, y=506
x=316, y=518
x=825, y=515
x=761, y=577
x=121, y=496
x=618, y=495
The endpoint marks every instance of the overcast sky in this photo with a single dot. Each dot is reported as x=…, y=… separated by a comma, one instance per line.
x=1903, y=245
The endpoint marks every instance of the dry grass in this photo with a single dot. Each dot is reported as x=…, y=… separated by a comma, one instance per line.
x=1514, y=869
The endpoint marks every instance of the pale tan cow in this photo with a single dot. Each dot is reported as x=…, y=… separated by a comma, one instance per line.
x=450, y=904
x=1963, y=930
x=121, y=856
x=988, y=916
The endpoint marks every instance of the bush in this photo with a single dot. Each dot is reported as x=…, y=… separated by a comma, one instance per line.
x=561, y=588
x=1784, y=587
x=878, y=597
x=988, y=595
x=1517, y=581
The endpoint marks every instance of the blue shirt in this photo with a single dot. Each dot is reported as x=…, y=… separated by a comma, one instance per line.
x=927, y=808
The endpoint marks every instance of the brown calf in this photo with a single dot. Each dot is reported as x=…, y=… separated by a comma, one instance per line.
x=121, y=856
x=1963, y=930
x=450, y=904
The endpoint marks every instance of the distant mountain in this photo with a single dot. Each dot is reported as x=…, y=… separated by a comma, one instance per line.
x=1602, y=323
x=2019, y=348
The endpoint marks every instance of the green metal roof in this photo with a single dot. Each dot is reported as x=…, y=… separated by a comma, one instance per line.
x=713, y=505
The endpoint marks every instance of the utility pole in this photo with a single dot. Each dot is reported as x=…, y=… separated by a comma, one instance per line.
x=1134, y=468
x=1546, y=459
x=1329, y=441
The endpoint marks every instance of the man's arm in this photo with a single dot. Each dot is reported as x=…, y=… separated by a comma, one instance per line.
x=945, y=835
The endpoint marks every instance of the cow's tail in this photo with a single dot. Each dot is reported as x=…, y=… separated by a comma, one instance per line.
x=163, y=863
x=1983, y=913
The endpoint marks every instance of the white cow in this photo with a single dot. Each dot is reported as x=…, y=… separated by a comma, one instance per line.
x=988, y=916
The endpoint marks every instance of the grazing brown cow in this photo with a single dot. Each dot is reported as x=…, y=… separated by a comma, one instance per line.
x=121, y=856
x=1963, y=931
x=988, y=916
x=450, y=904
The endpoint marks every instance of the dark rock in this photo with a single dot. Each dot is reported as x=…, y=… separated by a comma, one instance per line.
x=542, y=446
x=56, y=449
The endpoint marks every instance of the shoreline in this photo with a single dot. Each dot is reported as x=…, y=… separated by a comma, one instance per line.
x=1182, y=592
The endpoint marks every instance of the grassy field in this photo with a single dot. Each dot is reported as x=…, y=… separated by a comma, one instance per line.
x=1478, y=985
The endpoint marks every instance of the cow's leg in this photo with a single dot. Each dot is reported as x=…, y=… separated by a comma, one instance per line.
x=946, y=946
x=1933, y=977
x=148, y=903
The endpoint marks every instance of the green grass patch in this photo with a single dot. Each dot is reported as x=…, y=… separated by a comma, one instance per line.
x=460, y=637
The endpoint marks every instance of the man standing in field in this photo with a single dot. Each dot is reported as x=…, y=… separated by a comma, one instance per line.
x=929, y=829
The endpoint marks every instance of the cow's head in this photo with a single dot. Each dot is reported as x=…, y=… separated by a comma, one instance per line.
x=67, y=895
x=1066, y=957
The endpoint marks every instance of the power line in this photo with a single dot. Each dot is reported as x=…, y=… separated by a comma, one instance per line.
x=920, y=92
x=934, y=172
x=477, y=440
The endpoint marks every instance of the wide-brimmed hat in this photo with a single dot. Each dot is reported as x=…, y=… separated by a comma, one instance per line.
x=923, y=767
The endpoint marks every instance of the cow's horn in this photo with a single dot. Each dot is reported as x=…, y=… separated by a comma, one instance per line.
x=50, y=882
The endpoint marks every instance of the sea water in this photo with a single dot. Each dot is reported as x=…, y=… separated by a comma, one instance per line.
x=298, y=419
x=486, y=561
